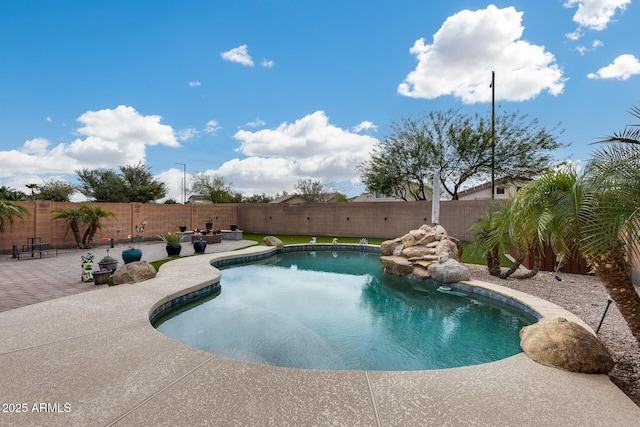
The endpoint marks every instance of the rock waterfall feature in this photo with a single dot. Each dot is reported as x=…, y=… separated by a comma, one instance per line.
x=428, y=252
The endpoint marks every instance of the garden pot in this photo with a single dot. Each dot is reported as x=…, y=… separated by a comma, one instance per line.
x=131, y=255
x=173, y=249
x=183, y=228
x=199, y=246
x=209, y=225
x=101, y=277
x=111, y=266
x=233, y=227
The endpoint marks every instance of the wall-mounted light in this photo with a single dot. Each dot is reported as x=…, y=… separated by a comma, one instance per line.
x=347, y=218
x=385, y=218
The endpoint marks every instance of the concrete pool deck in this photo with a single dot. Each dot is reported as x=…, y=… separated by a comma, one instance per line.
x=94, y=359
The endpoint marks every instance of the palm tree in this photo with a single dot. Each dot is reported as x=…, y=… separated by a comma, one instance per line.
x=536, y=217
x=611, y=220
x=92, y=215
x=9, y=211
x=490, y=234
x=73, y=218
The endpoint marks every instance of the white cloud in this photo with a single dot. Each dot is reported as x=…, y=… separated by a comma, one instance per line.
x=366, y=125
x=254, y=124
x=623, y=67
x=195, y=83
x=186, y=134
x=596, y=44
x=311, y=147
x=267, y=63
x=110, y=138
x=468, y=46
x=594, y=14
x=48, y=119
x=212, y=127
x=239, y=54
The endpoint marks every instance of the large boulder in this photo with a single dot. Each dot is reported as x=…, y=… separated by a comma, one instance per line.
x=387, y=247
x=449, y=246
x=134, y=272
x=450, y=271
x=273, y=241
x=563, y=344
x=397, y=265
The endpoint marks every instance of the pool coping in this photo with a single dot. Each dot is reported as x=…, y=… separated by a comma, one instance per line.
x=94, y=358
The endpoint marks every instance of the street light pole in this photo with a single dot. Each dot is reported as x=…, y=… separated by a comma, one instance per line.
x=183, y=190
x=493, y=134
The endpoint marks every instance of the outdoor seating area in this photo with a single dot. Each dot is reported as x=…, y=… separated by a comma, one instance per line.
x=33, y=247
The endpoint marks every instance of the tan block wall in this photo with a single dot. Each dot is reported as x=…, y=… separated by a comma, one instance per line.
x=160, y=219
x=374, y=219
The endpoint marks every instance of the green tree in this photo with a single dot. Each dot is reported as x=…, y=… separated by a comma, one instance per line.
x=73, y=218
x=140, y=185
x=257, y=198
x=213, y=188
x=10, y=211
x=32, y=187
x=130, y=184
x=8, y=193
x=610, y=220
x=57, y=190
x=595, y=214
x=318, y=191
x=460, y=146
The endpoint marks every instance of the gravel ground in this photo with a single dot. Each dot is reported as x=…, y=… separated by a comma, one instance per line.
x=586, y=297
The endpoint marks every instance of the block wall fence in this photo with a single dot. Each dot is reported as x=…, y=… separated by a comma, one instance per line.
x=375, y=219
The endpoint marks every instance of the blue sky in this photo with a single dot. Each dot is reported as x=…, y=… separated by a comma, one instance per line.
x=269, y=92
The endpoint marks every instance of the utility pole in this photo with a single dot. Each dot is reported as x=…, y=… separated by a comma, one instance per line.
x=493, y=134
x=183, y=190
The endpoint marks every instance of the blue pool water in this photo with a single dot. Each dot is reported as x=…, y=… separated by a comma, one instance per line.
x=339, y=310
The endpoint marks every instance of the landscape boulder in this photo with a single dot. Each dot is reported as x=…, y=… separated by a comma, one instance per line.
x=134, y=272
x=387, y=247
x=273, y=241
x=397, y=265
x=449, y=271
x=563, y=344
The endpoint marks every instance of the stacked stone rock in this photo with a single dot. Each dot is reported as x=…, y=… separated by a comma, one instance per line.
x=428, y=252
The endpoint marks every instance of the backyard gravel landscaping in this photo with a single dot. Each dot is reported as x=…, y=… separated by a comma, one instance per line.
x=586, y=297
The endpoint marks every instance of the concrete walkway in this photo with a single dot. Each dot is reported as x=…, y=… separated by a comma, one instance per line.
x=32, y=280
x=93, y=359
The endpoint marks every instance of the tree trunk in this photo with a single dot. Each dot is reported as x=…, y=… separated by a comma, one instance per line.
x=537, y=263
x=76, y=234
x=514, y=267
x=493, y=261
x=616, y=278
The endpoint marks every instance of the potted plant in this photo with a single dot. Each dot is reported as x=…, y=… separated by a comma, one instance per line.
x=199, y=245
x=101, y=277
x=173, y=243
x=233, y=227
x=132, y=254
x=209, y=223
x=183, y=226
x=109, y=263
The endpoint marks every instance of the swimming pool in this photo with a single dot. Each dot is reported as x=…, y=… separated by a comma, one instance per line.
x=339, y=310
